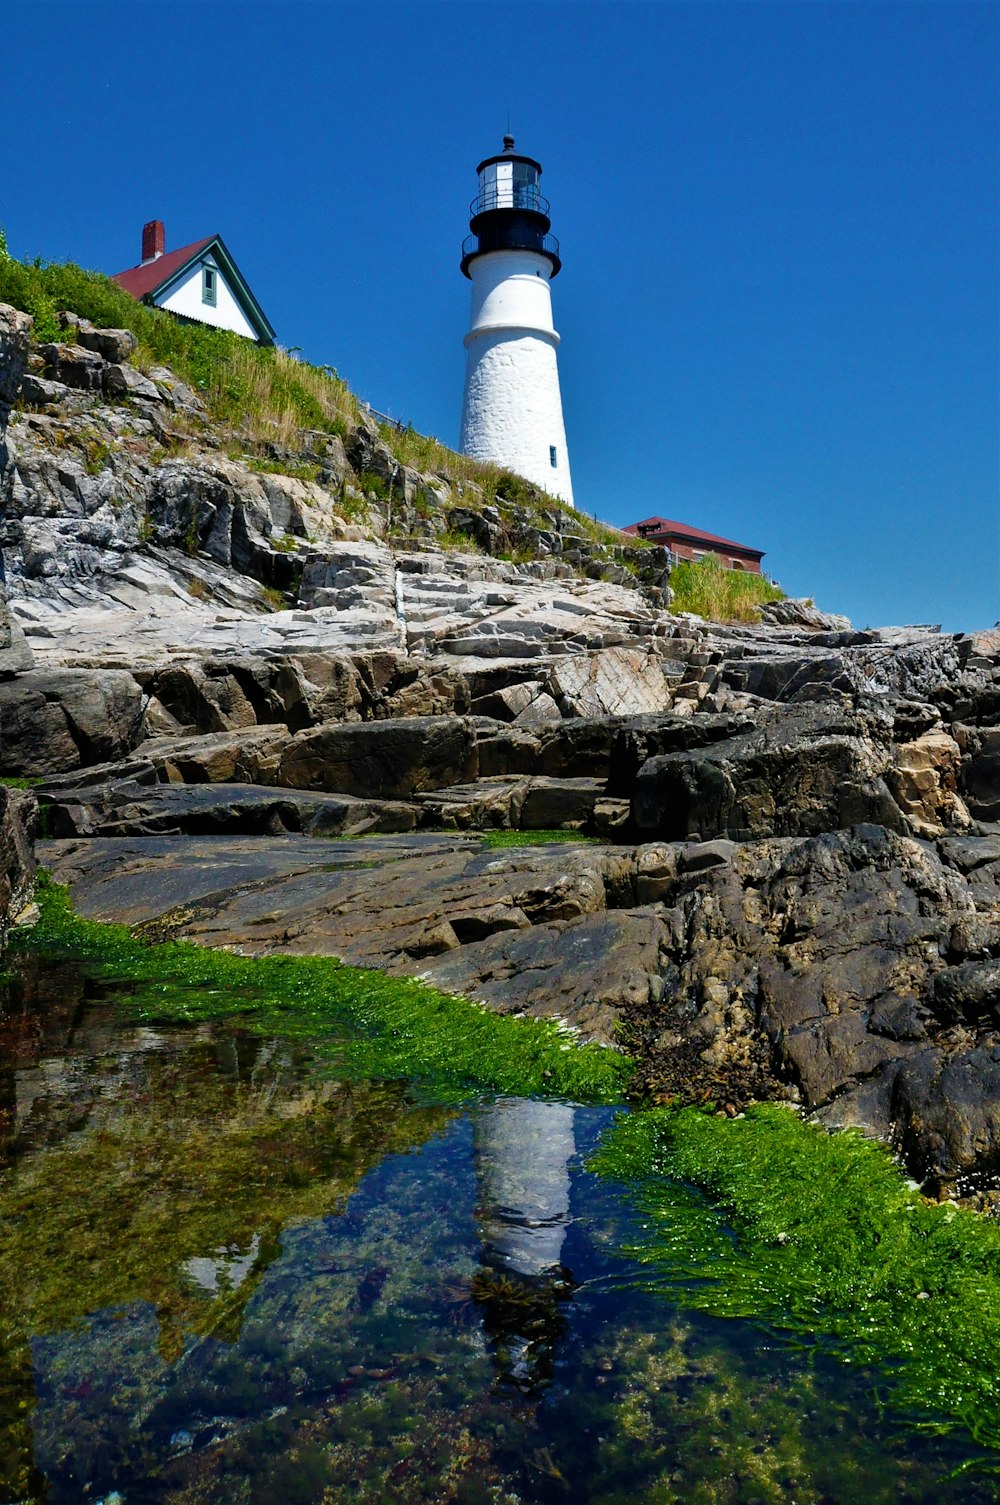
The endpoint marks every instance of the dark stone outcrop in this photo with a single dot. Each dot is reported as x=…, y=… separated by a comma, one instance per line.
x=541, y=931
x=130, y=808
x=73, y=366
x=15, y=338
x=115, y=345
x=382, y=759
x=60, y=719
x=18, y=812
x=816, y=769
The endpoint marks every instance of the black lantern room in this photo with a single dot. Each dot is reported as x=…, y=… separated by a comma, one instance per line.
x=509, y=212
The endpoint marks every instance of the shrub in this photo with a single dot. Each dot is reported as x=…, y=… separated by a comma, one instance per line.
x=710, y=590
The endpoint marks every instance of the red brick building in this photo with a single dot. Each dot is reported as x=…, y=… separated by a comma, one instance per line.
x=692, y=543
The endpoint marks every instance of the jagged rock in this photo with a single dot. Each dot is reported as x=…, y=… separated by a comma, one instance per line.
x=829, y=956
x=115, y=345
x=34, y=736
x=802, y=613
x=367, y=454
x=121, y=381
x=980, y=780
x=15, y=330
x=616, y=682
x=522, y=930
x=250, y=756
x=15, y=333
x=635, y=741
x=128, y=808
x=175, y=393
x=73, y=366
x=18, y=812
x=37, y=392
x=656, y=871
x=61, y=719
x=205, y=698
x=525, y=702
x=924, y=779
x=944, y=1113
x=15, y=655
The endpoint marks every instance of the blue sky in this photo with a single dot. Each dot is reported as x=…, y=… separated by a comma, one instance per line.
x=779, y=221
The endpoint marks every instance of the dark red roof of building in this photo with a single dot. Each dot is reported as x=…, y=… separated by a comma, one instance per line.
x=145, y=279
x=663, y=525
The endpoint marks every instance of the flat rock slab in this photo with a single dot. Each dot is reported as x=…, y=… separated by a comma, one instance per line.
x=128, y=808
x=526, y=930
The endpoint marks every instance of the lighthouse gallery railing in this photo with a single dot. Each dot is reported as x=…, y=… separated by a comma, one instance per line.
x=509, y=196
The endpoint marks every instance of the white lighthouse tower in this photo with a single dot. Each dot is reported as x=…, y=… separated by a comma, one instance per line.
x=512, y=411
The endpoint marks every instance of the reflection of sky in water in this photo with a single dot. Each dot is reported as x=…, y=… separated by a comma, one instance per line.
x=225, y=1270
x=468, y=1283
x=385, y=1285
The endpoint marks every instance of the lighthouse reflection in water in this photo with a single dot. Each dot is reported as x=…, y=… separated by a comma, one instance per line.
x=522, y=1155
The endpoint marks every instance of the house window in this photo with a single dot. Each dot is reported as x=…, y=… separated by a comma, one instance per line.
x=697, y=555
x=209, y=283
x=553, y=460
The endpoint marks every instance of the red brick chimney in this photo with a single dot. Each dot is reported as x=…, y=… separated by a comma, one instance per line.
x=153, y=241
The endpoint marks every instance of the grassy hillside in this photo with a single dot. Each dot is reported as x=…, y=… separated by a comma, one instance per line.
x=262, y=391
x=240, y=382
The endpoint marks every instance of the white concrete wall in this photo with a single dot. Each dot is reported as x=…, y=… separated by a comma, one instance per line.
x=512, y=412
x=224, y=313
x=510, y=289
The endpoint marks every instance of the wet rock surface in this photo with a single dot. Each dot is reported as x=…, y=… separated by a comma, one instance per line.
x=18, y=812
x=856, y=972
x=542, y=931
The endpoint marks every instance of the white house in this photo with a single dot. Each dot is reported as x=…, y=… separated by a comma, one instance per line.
x=200, y=283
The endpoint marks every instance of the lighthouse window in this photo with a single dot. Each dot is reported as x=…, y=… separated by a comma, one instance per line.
x=552, y=456
x=525, y=186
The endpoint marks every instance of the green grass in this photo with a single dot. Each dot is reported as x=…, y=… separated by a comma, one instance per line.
x=501, y=839
x=457, y=541
x=261, y=389
x=718, y=594
x=390, y=1027
x=299, y=470
x=19, y=781
x=820, y=1236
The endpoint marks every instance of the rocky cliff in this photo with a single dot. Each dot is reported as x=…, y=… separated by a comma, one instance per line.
x=792, y=885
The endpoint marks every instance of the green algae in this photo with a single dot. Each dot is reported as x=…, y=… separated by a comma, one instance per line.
x=386, y=1027
x=502, y=839
x=820, y=1237
x=680, y=1414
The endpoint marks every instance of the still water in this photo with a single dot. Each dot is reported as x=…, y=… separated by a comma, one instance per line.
x=229, y=1273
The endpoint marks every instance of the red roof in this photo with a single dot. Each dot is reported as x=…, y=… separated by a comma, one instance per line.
x=148, y=277
x=691, y=535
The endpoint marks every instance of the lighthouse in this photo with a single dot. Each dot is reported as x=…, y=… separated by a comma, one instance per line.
x=512, y=410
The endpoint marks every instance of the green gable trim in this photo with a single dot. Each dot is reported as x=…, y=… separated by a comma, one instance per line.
x=216, y=249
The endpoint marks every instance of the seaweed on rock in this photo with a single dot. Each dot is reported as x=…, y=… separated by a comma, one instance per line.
x=387, y=1027
x=819, y=1235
